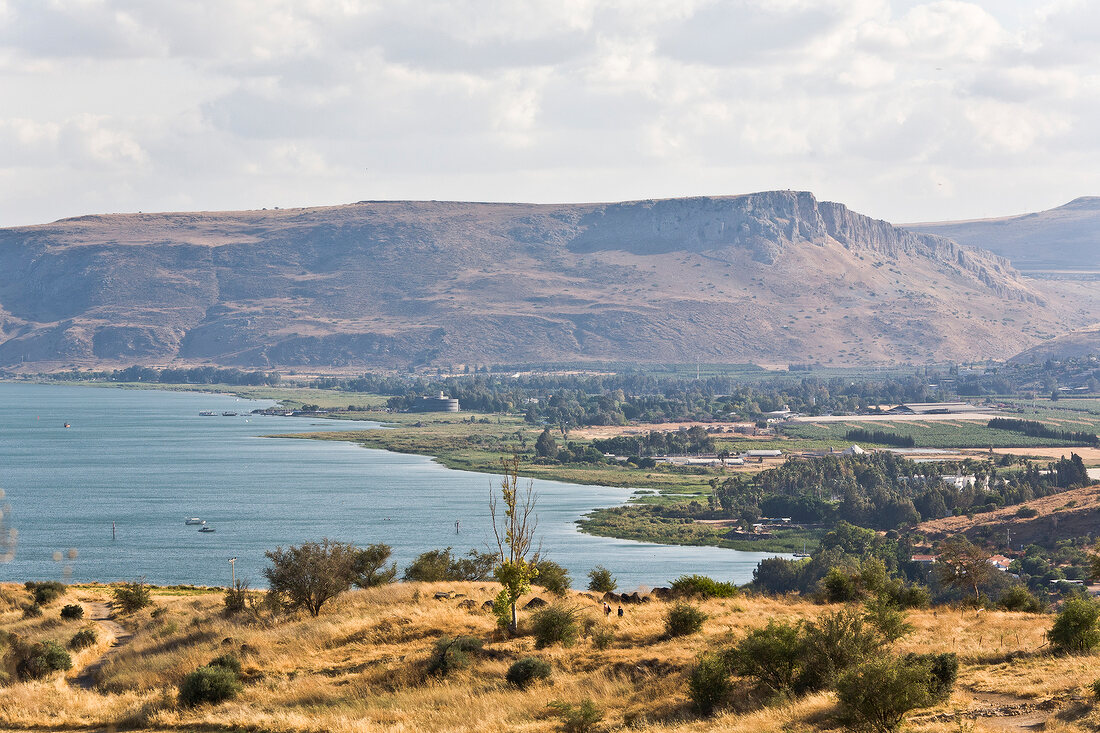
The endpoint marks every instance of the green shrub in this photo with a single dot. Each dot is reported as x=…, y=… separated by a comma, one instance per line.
x=209, y=684
x=450, y=654
x=703, y=587
x=32, y=611
x=525, y=671
x=82, y=639
x=887, y=618
x=45, y=592
x=72, y=611
x=602, y=638
x=877, y=694
x=709, y=683
x=943, y=670
x=683, y=619
x=914, y=596
x=1096, y=688
x=1019, y=598
x=600, y=580
x=1026, y=512
x=835, y=643
x=581, y=718
x=435, y=566
x=839, y=587
x=41, y=659
x=1074, y=630
x=773, y=656
x=556, y=624
x=553, y=577
x=132, y=596
x=235, y=599
x=227, y=661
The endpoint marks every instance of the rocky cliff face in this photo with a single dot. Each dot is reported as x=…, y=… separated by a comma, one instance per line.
x=767, y=277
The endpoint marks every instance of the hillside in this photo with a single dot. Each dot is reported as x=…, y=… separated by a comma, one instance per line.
x=1066, y=238
x=772, y=277
x=1075, y=344
x=363, y=666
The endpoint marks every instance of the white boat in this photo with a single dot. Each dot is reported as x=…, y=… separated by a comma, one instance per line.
x=206, y=528
x=193, y=520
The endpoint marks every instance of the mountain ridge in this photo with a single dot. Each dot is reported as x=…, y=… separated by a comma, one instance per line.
x=394, y=284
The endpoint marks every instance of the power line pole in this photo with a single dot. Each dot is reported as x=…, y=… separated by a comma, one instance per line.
x=233, y=570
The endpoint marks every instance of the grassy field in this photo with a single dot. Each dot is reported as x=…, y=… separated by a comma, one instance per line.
x=361, y=666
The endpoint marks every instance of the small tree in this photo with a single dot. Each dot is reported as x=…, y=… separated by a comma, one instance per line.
x=709, y=683
x=1075, y=629
x=683, y=619
x=555, y=624
x=133, y=596
x=774, y=655
x=369, y=566
x=309, y=575
x=962, y=564
x=600, y=580
x=553, y=577
x=877, y=694
x=514, y=526
x=546, y=446
x=435, y=566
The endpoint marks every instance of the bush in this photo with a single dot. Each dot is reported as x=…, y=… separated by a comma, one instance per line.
x=578, y=718
x=552, y=577
x=943, y=670
x=227, y=661
x=709, y=683
x=82, y=639
x=527, y=670
x=773, y=656
x=887, y=618
x=683, y=619
x=45, y=592
x=41, y=659
x=1074, y=631
x=1026, y=512
x=235, y=599
x=835, y=643
x=600, y=580
x=451, y=654
x=1096, y=688
x=602, y=638
x=914, y=596
x=435, y=566
x=209, y=684
x=839, y=587
x=1019, y=598
x=555, y=624
x=877, y=694
x=703, y=587
x=32, y=611
x=72, y=611
x=133, y=596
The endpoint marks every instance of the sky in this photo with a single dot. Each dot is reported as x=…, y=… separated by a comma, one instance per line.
x=903, y=110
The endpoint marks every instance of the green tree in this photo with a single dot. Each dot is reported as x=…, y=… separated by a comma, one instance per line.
x=546, y=446
x=435, y=566
x=369, y=566
x=1075, y=629
x=600, y=580
x=962, y=564
x=514, y=525
x=309, y=575
x=878, y=693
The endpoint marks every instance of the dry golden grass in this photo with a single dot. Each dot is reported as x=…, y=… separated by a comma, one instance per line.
x=360, y=667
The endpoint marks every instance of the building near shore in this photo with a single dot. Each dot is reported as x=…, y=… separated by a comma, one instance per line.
x=442, y=403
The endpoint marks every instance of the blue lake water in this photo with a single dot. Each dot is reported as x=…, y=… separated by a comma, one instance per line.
x=141, y=462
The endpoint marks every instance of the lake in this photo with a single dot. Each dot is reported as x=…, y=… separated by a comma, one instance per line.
x=106, y=498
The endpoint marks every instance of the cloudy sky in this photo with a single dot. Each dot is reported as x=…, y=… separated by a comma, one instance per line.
x=902, y=109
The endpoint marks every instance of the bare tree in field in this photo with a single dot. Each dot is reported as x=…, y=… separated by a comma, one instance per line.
x=514, y=524
x=962, y=564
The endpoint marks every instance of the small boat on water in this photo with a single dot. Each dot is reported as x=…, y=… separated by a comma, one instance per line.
x=68, y=425
x=229, y=414
x=206, y=528
x=193, y=520
x=208, y=413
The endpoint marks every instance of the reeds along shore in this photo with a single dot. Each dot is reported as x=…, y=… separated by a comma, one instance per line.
x=360, y=666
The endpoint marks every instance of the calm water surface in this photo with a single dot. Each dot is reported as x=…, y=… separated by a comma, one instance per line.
x=143, y=461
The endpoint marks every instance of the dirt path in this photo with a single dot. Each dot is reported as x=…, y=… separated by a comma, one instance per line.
x=100, y=612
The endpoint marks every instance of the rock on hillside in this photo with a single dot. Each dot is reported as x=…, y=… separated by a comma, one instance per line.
x=771, y=277
x=1064, y=238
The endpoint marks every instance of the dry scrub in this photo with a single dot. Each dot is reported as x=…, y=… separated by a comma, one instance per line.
x=360, y=666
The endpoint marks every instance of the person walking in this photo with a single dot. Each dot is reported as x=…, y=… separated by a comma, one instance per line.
x=620, y=611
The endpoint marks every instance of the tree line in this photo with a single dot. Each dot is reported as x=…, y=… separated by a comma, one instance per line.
x=1034, y=429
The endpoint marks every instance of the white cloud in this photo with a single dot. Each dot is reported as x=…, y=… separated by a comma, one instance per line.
x=885, y=104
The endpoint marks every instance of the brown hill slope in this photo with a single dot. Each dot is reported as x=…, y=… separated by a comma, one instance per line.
x=1063, y=238
x=1075, y=344
x=768, y=277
